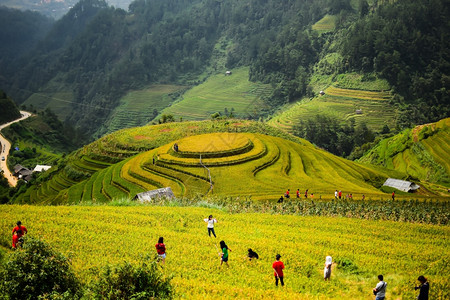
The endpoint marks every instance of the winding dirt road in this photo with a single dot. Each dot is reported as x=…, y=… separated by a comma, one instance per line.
x=5, y=146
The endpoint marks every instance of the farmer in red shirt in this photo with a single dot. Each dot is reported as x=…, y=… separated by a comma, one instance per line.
x=278, y=267
x=18, y=232
x=161, y=249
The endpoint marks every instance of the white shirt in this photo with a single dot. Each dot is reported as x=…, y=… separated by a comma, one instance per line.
x=335, y=194
x=210, y=222
x=381, y=291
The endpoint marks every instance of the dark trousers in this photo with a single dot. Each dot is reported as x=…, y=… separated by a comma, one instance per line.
x=281, y=280
x=211, y=230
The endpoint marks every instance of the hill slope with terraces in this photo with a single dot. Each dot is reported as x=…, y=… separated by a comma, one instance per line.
x=244, y=158
x=350, y=97
x=421, y=152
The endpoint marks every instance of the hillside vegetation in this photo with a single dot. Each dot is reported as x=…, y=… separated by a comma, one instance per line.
x=245, y=158
x=226, y=94
x=421, y=152
x=9, y=111
x=96, y=55
x=351, y=96
x=96, y=236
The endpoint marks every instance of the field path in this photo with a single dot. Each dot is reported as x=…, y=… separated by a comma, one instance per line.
x=5, y=146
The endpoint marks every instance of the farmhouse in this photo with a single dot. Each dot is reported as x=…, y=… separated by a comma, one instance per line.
x=359, y=111
x=402, y=185
x=322, y=93
x=227, y=73
x=22, y=173
x=155, y=194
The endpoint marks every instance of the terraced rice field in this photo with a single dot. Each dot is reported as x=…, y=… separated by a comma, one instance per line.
x=325, y=24
x=234, y=93
x=421, y=152
x=341, y=104
x=137, y=107
x=240, y=164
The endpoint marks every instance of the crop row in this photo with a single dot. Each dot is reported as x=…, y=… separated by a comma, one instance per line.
x=358, y=94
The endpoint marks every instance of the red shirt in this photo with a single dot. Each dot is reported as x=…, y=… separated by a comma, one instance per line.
x=15, y=240
x=20, y=231
x=160, y=248
x=278, y=266
x=340, y=194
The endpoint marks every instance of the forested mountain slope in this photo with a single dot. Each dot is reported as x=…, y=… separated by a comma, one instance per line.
x=96, y=54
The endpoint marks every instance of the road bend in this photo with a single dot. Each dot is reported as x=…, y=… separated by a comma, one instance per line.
x=6, y=146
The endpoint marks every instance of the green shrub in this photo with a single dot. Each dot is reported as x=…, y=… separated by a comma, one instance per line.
x=38, y=271
x=127, y=281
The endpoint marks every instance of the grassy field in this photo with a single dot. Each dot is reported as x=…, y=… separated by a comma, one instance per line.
x=219, y=92
x=361, y=249
x=421, y=152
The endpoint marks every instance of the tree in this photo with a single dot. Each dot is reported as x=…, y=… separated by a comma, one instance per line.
x=38, y=271
x=126, y=281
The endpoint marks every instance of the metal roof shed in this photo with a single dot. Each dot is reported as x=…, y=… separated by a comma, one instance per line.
x=402, y=185
x=155, y=194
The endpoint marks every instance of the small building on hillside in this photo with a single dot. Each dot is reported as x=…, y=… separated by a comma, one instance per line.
x=22, y=173
x=359, y=112
x=155, y=194
x=228, y=73
x=41, y=168
x=322, y=93
x=402, y=185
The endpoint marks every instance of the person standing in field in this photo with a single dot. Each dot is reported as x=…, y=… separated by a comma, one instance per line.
x=298, y=193
x=210, y=220
x=306, y=194
x=424, y=288
x=278, y=267
x=363, y=197
x=393, y=195
x=161, y=250
x=327, y=269
x=336, y=195
x=19, y=231
x=286, y=195
x=380, y=289
x=224, y=254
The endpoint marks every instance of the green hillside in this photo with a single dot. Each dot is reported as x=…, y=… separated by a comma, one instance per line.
x=94, y=237
x=421, y=152
x=224, y=94
x=350, y=96
x=244, y=158
x=139, y=107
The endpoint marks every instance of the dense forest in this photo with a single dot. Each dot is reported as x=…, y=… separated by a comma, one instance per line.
x=98, y=53
x=9, y=111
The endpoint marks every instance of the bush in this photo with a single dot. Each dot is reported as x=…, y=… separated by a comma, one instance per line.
x=131, y=282
x=38, y=271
